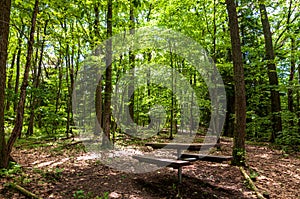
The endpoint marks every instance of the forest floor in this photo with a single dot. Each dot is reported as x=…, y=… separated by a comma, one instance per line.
x=66, y=171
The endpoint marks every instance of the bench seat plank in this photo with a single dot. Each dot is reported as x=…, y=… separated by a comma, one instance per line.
x=163, y=161
x=209, y=158
x=187, y=146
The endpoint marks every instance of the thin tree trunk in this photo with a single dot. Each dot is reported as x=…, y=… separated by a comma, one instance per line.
x=108, y=76
x=34, y=79
x=240, y=97
x=96, y=24
x=20, y=109
x=5, y=6
x=19, y=53
x=36, y=85
x=293, y=66
x=9, y=84
x=298, y=99
x=71, y=89
x=298, y=95
x=272, y=74
x=191, y=112
x=172, y=95
x=132, y=65
x=67, y=59
x=99, y=97
x=291, y=79
x=60, y=76
x=148, y=85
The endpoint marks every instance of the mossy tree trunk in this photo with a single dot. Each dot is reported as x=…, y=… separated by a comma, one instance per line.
x=240, y=96
x=5, y=6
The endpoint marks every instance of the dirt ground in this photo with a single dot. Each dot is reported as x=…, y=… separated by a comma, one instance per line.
x=71, y=173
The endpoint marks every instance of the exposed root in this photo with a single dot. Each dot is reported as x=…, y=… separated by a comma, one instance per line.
x=251, y=183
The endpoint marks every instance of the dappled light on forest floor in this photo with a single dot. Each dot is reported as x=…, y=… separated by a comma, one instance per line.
x=52, y=173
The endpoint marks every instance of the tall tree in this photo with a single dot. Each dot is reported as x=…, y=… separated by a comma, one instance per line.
x=292, y=63
x=19, y=54
x=240, y=99
x=99, y=97
x=272, y=74
x=5, y=6
x=108, y=78
x=131, y=63
x=20, y=109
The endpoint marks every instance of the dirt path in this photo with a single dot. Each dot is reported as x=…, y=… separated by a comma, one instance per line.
x=72, y=173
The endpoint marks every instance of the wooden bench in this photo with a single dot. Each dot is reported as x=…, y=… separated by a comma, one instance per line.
x=209, y=158
x=182, y=159
x=187, y=146
x=165, y=162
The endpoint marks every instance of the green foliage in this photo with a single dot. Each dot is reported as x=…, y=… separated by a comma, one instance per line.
x=80, y=194
x=239, y=157
x=289, y=140
x=105, y=196
x=72, y=34
x=253, y=175
x=53, y=175
x=13, y=168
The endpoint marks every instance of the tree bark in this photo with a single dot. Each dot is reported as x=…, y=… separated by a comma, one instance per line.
x=291, y=79
x=298, y=100
x=20, y=109
x=99, y=97
x=272, y=74
x=108, y=76
x=5, y=6
x=60, y=76
x=132, y=65
x=240, y=96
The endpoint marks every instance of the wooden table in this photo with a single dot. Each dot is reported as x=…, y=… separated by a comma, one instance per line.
x=182, y=159
x=182, y=146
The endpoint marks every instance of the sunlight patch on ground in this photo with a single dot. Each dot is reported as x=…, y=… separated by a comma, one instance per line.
x=266, y=156
x=43, y=164
x=88, y=156
x=52, y=163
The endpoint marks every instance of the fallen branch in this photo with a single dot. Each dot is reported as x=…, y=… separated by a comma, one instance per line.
x=23, y=191
x=251, y=183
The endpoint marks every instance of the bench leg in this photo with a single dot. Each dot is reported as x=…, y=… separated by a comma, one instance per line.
x=180, y=174
x=178, y=153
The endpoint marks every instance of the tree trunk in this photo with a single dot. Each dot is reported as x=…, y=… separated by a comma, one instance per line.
x=132, y=65
x=19, y=53
x=240, y=96
x=20, y=109
x=272, y=74
x=99, y=97
x=60, y=76
x=291, y=79
x=108, y=76
x=9, y=84
x=36, y=85
x=67, y=60
x=293, y=66
x=5, y=6
x=298, y=100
